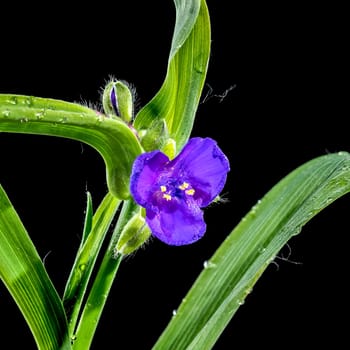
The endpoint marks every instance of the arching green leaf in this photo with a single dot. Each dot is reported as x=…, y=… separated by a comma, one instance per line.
x=112, y=138
x=178, y=98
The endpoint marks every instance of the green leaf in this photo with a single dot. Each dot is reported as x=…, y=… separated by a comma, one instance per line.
x=86, y=258
x=102, y=283
x=186, y=16
x=112, y=138
x=178, y=98
x=89, y=213
x=24, y=275
x=230, y=274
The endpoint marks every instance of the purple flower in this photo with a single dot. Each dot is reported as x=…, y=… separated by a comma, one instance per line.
x=174, y=191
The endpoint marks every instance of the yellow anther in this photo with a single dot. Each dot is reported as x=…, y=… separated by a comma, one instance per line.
x=190, y=192
x=167, y=196
x=184, y=186
x=163, y=188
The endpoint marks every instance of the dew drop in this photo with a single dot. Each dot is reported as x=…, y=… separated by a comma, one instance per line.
x=254, y=209
x=12, y=100
x=82, y=267
x=174, y=312
x=296, y=231
x=24, y=120
x=208, y=264
x=28, y=101
x=329, y=200
x=6, y=113
x=248, y=291
x=262, y=250
x=40, y=115
x=341, y=153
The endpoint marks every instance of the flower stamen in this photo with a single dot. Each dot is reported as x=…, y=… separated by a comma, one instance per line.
x=190, y=192
x=167, y=196
x=184, y=186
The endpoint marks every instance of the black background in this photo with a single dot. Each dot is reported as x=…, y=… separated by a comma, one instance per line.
x=288, y=65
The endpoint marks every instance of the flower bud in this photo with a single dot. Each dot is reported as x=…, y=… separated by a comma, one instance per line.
x=156, y=136
x=135, y=233
x=117, y=100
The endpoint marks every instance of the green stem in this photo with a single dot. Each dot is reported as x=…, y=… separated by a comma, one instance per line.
x=102, y=285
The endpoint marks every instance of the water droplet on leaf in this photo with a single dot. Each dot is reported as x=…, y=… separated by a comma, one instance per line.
x=40, y=115
x=6, y=113
x=262, y=250
x=208, y=265
x=28, y=101
x=12, y=100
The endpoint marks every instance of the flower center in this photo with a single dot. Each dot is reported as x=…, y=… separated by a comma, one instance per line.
x=170, y=191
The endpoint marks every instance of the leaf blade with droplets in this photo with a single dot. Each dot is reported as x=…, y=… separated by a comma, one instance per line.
x=24, y=275
x=241, y=259
x=112, y=138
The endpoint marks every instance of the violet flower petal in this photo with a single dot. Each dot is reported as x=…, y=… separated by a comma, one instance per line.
x=145, y=172
x=114, y=101
x=204, y=166
x=177, y=223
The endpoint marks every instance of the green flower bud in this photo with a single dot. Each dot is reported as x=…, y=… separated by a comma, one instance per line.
x=156, y=136
x=135, y=233
x=117, y=100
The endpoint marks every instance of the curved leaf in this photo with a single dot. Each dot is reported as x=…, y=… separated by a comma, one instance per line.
x=178, y=98
x=186, y=16
x=112, y=138
x=238, y=263
x=24, y=275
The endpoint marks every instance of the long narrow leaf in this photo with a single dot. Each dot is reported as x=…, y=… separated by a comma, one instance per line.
x=238, y=263
x=88, y=219
x=178, y=98
x=102, y=284
x=86, y=258
x=24, y=275
x=112, y=138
